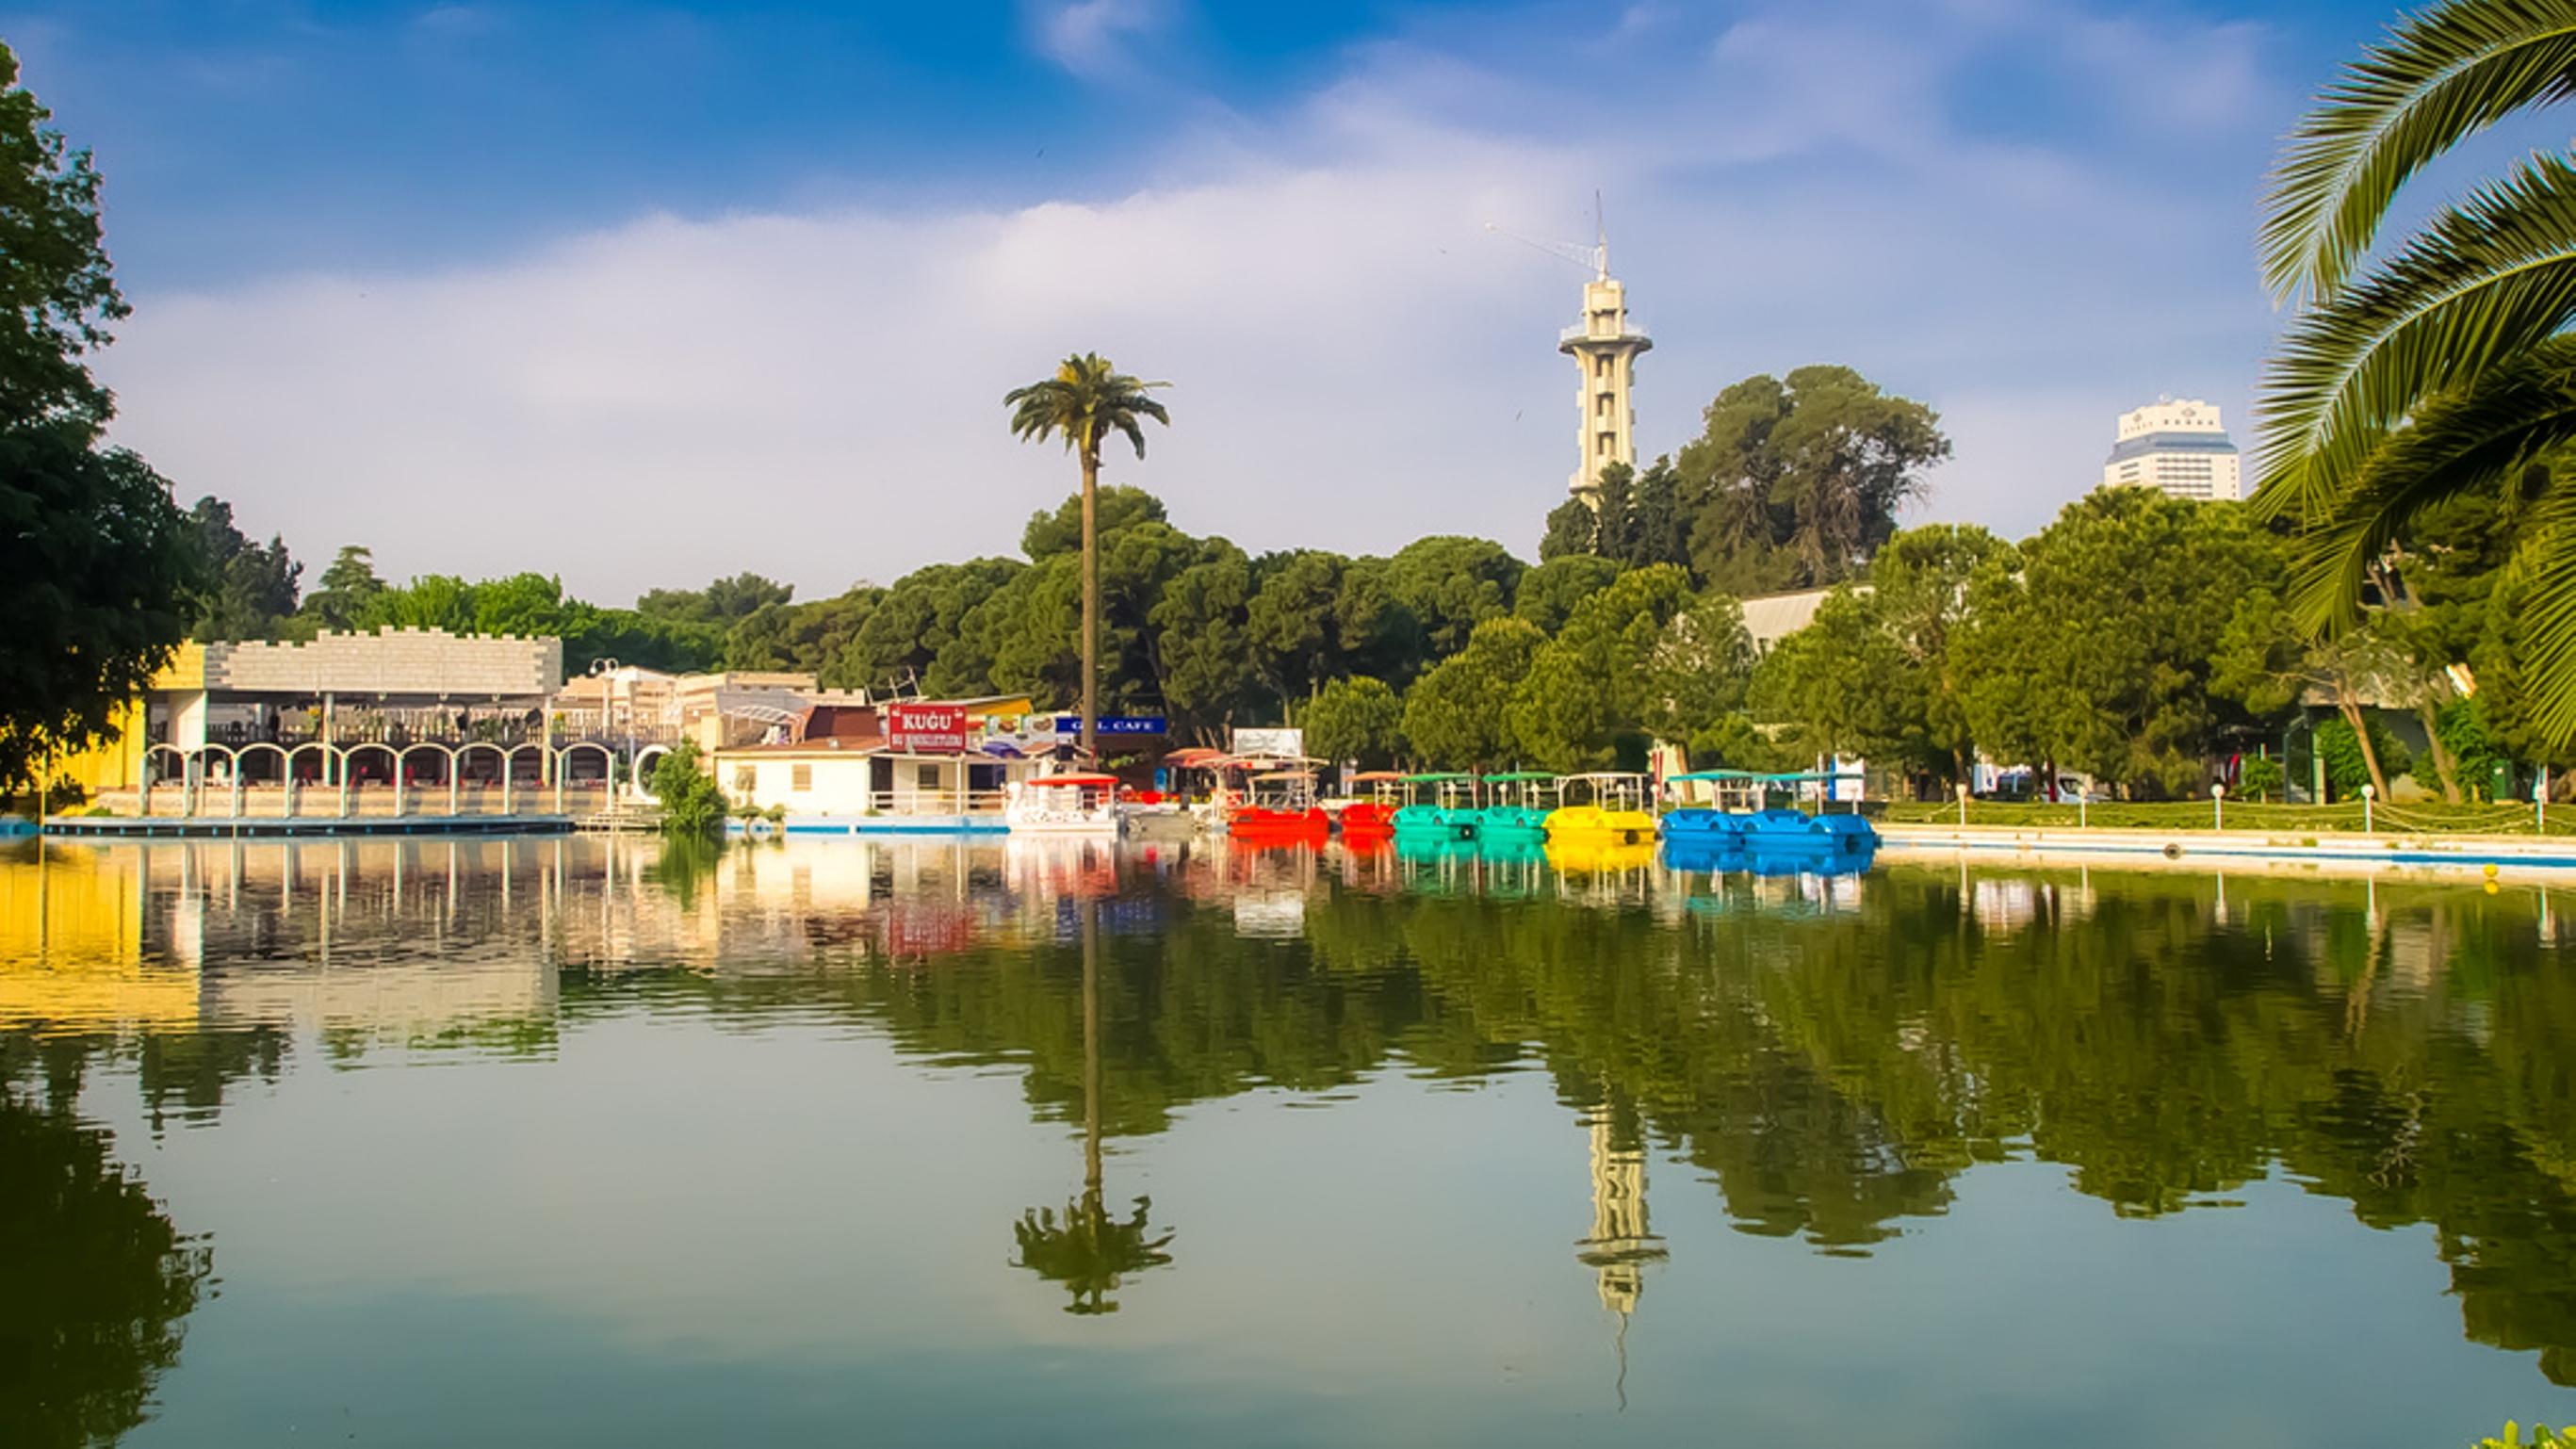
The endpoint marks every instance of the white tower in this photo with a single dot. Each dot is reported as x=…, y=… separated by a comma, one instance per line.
x=1604, y=345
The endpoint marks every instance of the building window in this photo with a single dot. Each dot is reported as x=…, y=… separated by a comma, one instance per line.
x=929, y=777
x=745, y=779
x=800, y=778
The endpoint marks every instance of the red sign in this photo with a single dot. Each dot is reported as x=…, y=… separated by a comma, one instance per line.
x=926, y=729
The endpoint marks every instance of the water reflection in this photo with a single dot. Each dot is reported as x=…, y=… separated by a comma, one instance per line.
x=95, y=1281
x=1088, y=1249
x=1830, y=1054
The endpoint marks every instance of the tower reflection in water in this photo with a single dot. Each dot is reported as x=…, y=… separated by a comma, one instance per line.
x=1825, y=1056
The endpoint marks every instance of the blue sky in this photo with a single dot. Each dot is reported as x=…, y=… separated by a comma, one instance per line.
x=639, y=294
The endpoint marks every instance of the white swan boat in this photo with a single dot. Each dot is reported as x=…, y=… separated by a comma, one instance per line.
x=1066, y=805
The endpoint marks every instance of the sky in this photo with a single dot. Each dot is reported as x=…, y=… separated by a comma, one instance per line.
x=640, y=295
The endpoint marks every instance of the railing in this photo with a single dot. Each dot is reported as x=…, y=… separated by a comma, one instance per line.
x=1629, y=331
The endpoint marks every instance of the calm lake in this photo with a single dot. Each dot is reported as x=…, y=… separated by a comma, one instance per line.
x=574, y=1142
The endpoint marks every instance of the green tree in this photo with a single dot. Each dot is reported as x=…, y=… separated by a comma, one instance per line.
x=1085, y=401
x=1450, y=585
x=2091, y=646
x=917, y=631
x=2438, y=365
x=2268, y=661
x=1202, y=636
x=1356, y=718
x=693, y=805
x=1590, y=696
x=807, y=638
x=54, y=272
x=1874, y=673
x=1458, y=715
x=1548, y=594
x=1059, y=530
x=1573, y=531
x=1696, y=680
x=1296, y=639
x=1841, y=685
x=349, y=590
x=98, y=573
x=1796, y=484
x=250, y=587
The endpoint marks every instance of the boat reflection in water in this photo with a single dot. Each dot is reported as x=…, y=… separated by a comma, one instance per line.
x=746, y=1143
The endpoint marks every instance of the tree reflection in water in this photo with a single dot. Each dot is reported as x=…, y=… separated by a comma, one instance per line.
x=95, y=1282
x=1831, y=1059
x=1088, y=1249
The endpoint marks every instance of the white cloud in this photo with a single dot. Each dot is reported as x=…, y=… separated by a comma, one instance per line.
x=818, y=395
x=1090, y=37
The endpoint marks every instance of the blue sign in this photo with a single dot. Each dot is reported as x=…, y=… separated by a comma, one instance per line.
x=1118, y=724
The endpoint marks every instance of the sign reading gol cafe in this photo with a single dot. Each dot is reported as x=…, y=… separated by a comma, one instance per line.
x=926, y=729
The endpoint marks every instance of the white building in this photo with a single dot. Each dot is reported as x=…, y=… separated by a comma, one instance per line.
x=2178, y=445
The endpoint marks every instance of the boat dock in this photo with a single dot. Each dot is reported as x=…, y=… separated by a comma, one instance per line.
x=276, y=827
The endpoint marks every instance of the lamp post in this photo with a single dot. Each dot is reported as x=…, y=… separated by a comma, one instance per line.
x=1963, y=805
x=2218, y=805
x=2368, y=794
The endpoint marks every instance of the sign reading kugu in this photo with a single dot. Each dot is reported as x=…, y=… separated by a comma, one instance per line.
x=926, y=729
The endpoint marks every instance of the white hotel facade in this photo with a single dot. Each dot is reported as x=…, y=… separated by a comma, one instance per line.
x=2178, y=445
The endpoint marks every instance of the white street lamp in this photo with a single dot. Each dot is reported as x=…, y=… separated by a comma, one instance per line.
x=2368, y=794
x=2218, y=805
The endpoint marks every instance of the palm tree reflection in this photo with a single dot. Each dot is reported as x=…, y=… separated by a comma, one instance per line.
x=1087, y=1248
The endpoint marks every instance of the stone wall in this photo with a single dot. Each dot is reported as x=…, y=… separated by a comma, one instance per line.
x=392, y=661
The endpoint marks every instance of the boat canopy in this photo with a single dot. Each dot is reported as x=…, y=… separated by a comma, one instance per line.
x=1377, y=777
x=1519, y=777
x=1195, y=757
x=1436, y=778
x=1097, y=782
x=1608, y=775
x=1277, y=776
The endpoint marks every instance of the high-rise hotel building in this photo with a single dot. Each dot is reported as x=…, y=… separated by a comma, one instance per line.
x=2178, y=445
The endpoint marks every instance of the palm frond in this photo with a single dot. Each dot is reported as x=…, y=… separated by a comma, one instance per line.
x=2546, y=566
x=2487, y=279
x=2480, y=437
x=2440, y=77
x=1084, y=401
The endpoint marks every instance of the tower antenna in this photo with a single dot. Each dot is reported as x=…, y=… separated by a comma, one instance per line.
x=1601, y=247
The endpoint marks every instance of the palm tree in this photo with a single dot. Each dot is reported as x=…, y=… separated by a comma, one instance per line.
x=1084, y=402
x=2444, y=365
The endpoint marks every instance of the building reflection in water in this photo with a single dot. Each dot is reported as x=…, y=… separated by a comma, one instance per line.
x=1829, y=1053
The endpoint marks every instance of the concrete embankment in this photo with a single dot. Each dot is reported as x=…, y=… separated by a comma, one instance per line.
x=2208, y=849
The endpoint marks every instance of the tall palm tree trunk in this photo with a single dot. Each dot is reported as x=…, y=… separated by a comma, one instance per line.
x=1091, y=598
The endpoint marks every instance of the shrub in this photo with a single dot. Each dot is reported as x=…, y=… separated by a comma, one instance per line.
x=2542, y=1437
x=692, y=805
x=2261, y=777
x=2346, y=771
